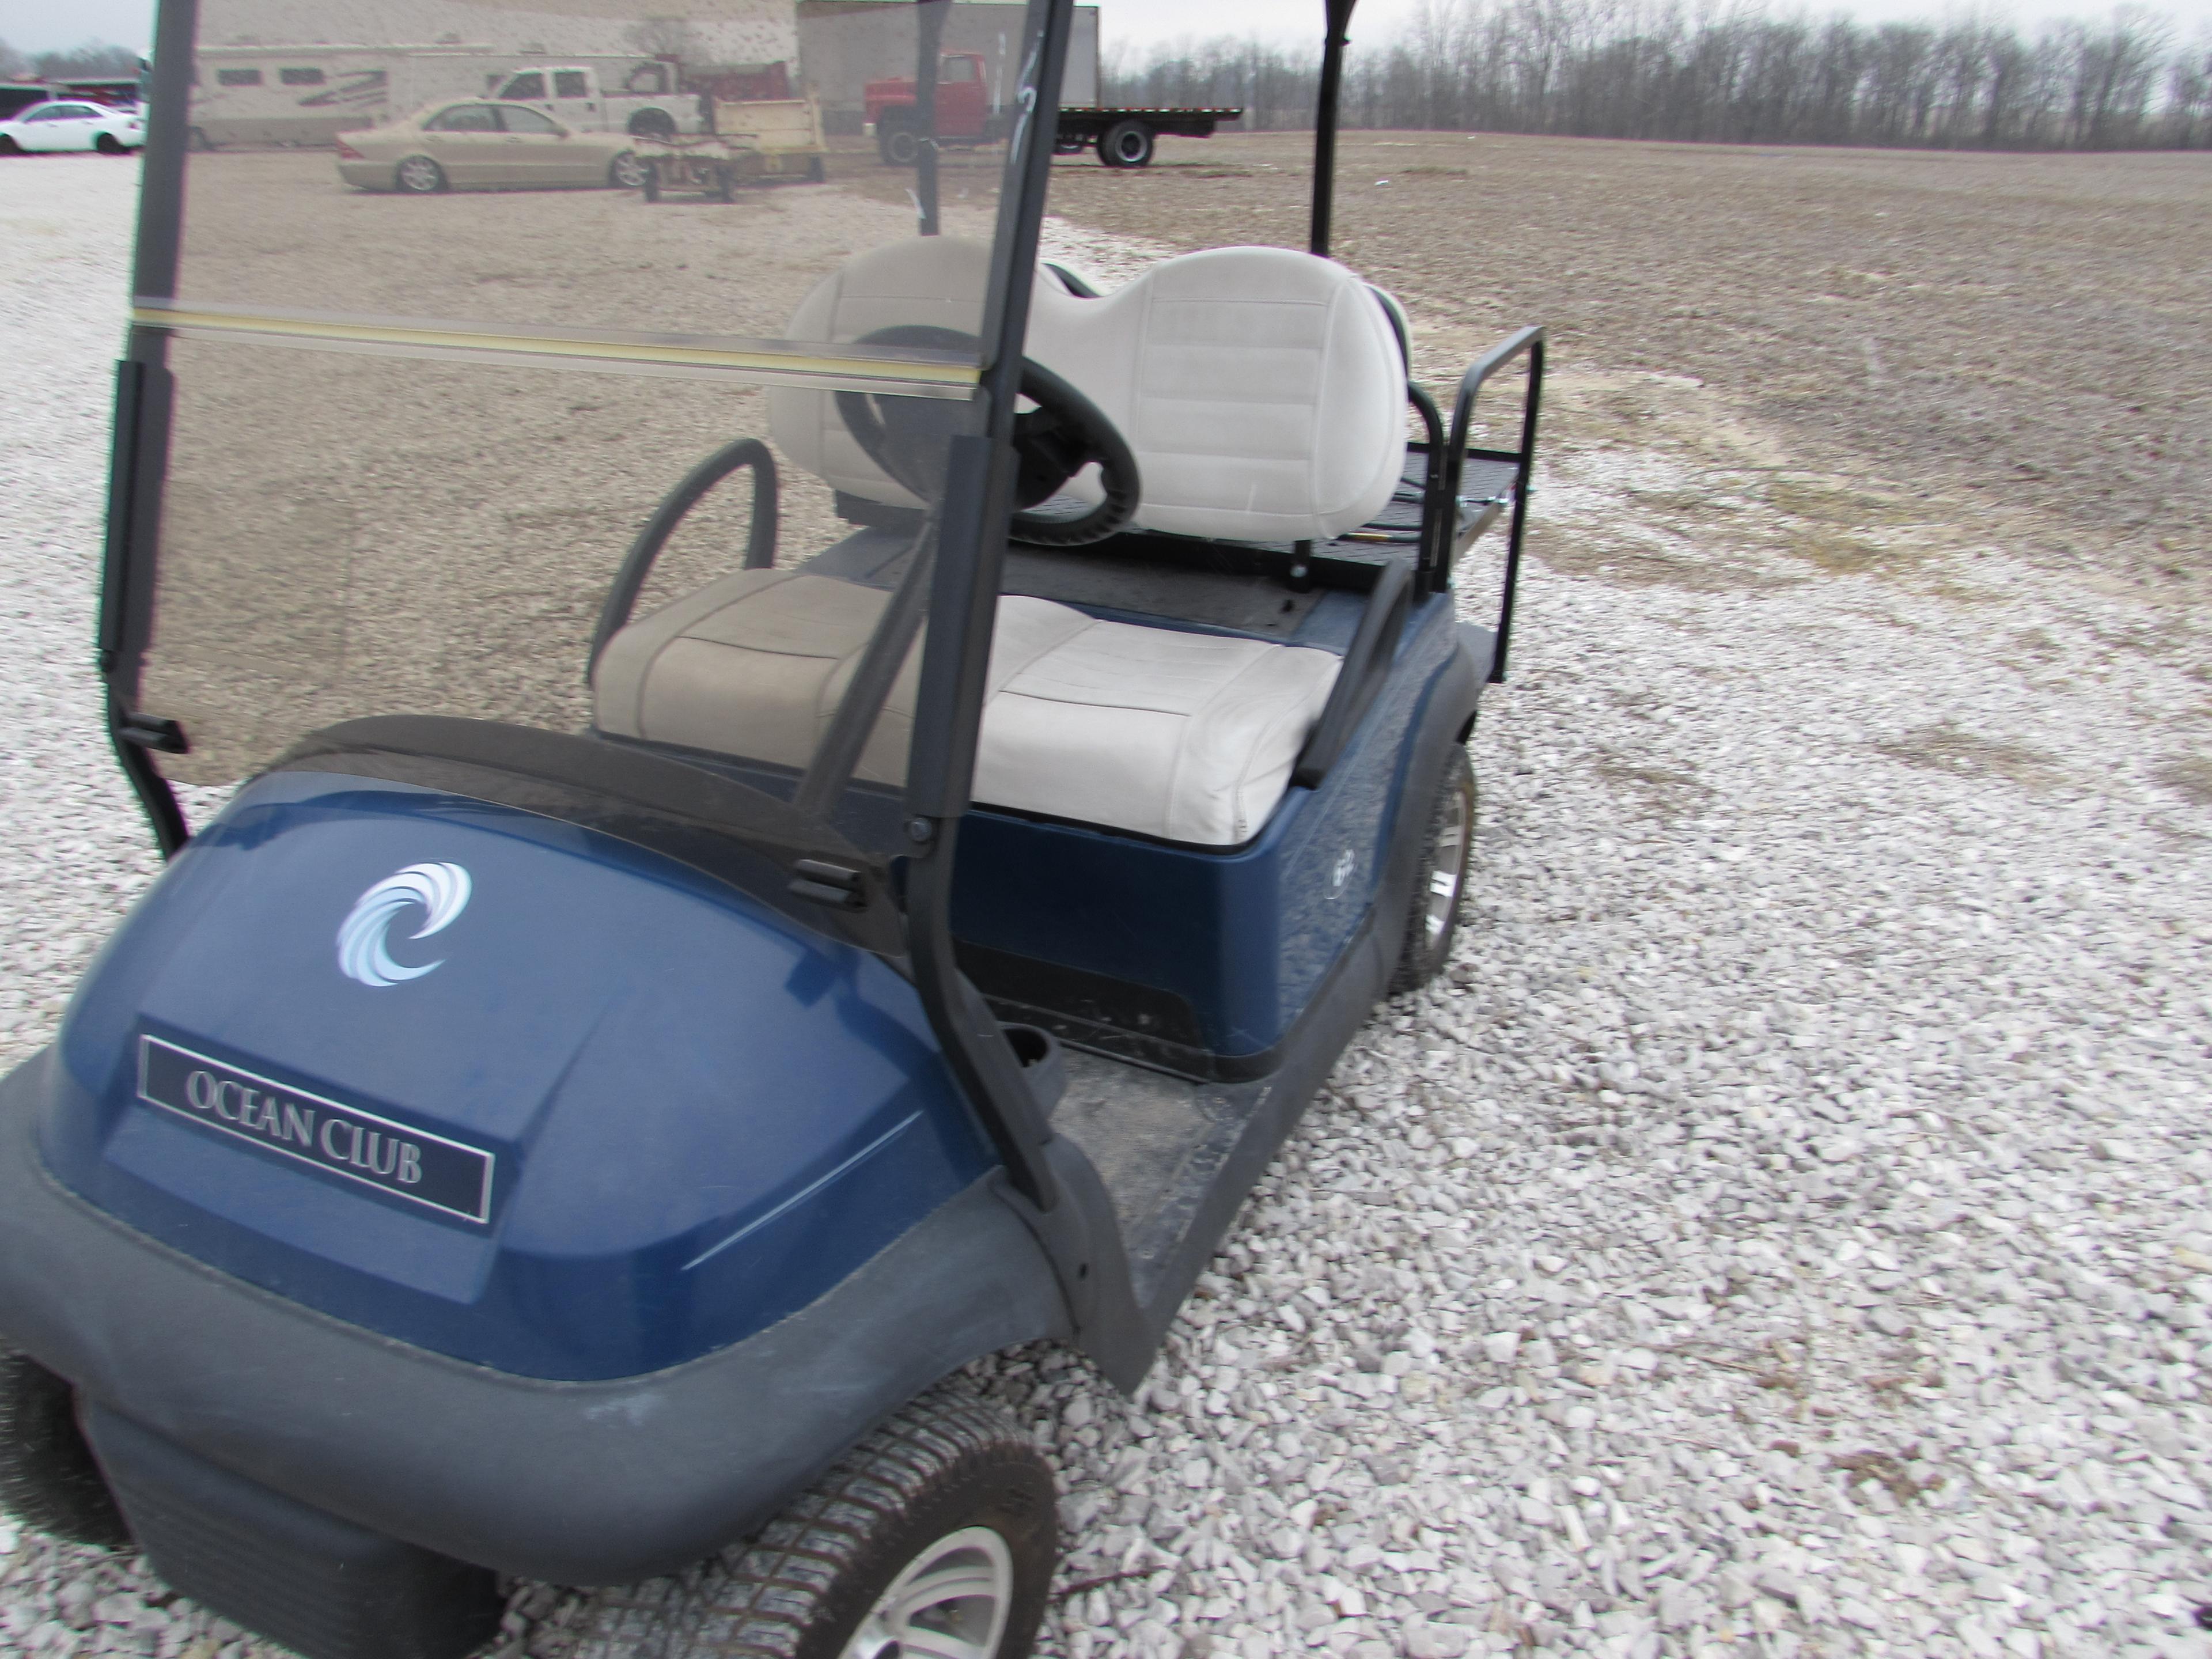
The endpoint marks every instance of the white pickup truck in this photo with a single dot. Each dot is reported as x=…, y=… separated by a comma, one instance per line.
x=647, y=104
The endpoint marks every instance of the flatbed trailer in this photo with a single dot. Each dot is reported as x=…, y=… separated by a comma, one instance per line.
x=1124, y=138
x=963, y=114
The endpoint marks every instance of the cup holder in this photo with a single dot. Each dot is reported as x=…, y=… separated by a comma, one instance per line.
x=1044, y=1063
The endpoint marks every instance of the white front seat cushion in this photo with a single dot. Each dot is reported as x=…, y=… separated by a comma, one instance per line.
x=1188, y=737
x=1262, y=391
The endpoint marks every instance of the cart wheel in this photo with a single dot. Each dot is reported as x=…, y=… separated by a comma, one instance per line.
x=1442, y=878
x=418, y=175
x=1127, y=144
x=628, y=172
x=936, y=1535
x=47, y=1476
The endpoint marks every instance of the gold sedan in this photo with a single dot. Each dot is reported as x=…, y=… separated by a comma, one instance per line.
x=484, y=146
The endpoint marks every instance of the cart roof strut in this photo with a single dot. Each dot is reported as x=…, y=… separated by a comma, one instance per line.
x=1332, y=86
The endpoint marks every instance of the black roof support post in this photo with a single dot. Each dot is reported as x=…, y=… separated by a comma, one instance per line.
x=1332, y=89
x=963, y=608
x=929, y=36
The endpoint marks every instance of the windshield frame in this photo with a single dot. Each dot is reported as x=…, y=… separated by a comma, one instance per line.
x=145, y=391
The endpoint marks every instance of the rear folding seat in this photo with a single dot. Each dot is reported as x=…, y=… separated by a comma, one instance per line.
x=1261, y=391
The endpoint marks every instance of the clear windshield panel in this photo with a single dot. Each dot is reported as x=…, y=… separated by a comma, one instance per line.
x=560, y=364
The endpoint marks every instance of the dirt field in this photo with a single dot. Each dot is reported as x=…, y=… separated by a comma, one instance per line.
x=2023, y=334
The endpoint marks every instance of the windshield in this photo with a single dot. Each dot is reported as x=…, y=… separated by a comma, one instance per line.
x=622, y=414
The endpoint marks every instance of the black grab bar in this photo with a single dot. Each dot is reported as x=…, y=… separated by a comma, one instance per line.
x=1441, y=511
x=637, y=563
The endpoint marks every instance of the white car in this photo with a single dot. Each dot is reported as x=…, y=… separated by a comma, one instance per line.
x=67, y=123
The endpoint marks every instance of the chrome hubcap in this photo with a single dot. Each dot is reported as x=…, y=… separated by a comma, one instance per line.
x=1447, y=872
x=950, y=1602
x=418, y=175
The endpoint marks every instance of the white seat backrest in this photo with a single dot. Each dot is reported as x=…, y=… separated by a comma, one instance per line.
x=937, y=279
x=1261, y=391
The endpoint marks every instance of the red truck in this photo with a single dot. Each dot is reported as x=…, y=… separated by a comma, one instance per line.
x=965, y=116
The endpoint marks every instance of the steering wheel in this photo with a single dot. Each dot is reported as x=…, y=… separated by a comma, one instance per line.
x=910, y=437
x=1064, y=433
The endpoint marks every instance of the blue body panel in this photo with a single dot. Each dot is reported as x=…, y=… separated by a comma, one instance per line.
x=1245, y=935
x=702, y=1116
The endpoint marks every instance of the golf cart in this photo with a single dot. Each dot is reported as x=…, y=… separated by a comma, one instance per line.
x=748, y=137
x=619, y=1031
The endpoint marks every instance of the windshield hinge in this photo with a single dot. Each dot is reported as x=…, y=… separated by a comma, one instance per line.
x=828, y=883
x=164, y=737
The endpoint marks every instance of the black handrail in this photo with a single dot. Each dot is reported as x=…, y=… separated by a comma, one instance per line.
x=1427, y=563
x=1529, y=341
x=637, y=563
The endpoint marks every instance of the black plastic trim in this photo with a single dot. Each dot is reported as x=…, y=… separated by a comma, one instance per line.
x=322, y=1587
x=115, y=617
x=1076, y=993
x=159, y=801
x=1367, y=666
x=739, y=836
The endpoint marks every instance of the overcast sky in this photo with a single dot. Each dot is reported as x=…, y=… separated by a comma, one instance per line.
x=44, y=25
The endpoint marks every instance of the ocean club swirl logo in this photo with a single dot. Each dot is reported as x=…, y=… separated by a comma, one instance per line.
x=441, y=890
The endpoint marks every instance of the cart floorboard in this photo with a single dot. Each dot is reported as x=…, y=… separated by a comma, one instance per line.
x=1157, y=1142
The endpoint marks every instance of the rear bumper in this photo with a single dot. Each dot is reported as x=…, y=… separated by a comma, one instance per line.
x=579, y=1483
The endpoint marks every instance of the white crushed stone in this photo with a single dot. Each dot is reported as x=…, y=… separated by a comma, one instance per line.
x=1784, y=1232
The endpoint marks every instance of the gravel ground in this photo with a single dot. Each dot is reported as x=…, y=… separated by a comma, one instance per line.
x=1784, y=1232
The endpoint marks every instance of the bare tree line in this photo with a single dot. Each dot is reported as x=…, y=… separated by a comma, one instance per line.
x=93, y=59
x=1614, y=69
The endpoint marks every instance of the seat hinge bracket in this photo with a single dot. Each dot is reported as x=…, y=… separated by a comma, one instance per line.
x=824, y=883
x=163, y=736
